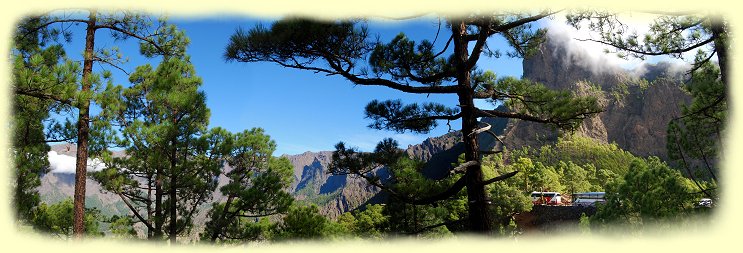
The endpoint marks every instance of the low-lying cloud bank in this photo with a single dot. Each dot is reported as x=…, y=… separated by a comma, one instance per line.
x=66, y=164
x=592, y=55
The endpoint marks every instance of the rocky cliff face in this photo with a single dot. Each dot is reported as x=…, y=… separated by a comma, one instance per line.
x=335, y=194
x=638, y=103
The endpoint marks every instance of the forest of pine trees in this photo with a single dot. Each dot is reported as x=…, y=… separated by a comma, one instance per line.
x=160, y=120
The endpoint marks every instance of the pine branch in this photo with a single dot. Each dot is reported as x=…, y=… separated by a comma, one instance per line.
x=451, y=191
x=435, y=226
x=135, y=211
x=356, y=79
x=520, y=22
x=655, y=53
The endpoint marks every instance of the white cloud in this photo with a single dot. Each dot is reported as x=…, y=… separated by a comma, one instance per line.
x=66, y=164
x=592, y=54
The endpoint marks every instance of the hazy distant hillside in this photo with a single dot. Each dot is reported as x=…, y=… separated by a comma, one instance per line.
x=56, y=187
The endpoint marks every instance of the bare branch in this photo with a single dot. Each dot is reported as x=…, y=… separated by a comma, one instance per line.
x=438, y=117
x=131, y=34
x=397, y=86
x=98, y=59
x=653, y=53
x=672, y=13
x=480, y=130
x=482, y=37
x=403, y=17
x=60, y=140
x=463, y=167
x=255, y=216
x=500, y=178
x=36, y=29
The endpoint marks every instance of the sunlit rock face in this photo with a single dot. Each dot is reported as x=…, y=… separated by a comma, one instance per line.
x=638, y=102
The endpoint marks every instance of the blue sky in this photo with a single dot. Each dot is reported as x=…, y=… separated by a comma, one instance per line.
x=300, y=110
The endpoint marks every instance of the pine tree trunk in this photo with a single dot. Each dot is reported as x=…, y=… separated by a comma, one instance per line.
x=718, y=30
x=150, y=218
x=83, y=130
x=173, y=196
x=476, y=199
x=173, y=212
x=158, y=234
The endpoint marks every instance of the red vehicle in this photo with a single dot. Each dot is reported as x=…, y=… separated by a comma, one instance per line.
x=546, y=198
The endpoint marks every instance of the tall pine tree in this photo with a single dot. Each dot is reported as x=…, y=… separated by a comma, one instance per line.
x=172, y=160
x=157, y=38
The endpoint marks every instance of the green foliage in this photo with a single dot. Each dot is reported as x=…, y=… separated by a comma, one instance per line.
x=392, y=115
x=600, y=162
x=573, y=164
x=408, y=180
x=536, y=176
x=289, y=37
x=574, y=178
x=340, y=48
x=668, y=34
x=122, y=227
x=694, y=139
x=256, y=186
x=43, y=80
x=371, y=222
x=650, y=192
x=164, y=118
x=558, y=108
x=619, y=92
x=351, y=161
x=303, y=222
x=510, y=196
x=584, y=224
x=346, y=222
x=401, y=58
x=240, y=229
x=56, y=219
x=51, y=86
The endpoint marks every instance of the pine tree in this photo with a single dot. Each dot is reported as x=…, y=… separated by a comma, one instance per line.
x=340, y=47
x=163, y=40
x=171, y=161
x=38, y=68
x=256, y=188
